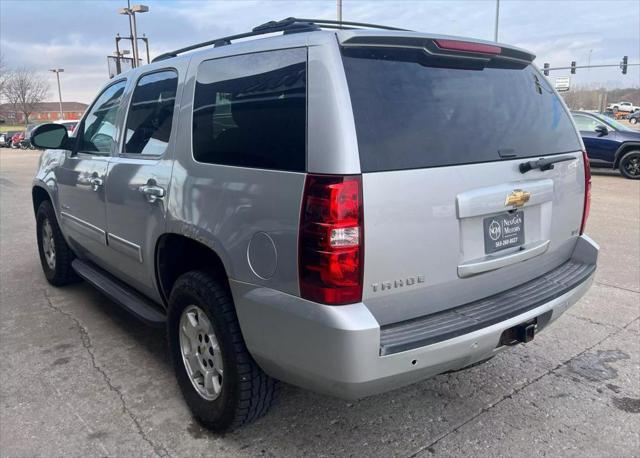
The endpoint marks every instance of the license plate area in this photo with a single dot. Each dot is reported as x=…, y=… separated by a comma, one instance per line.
x=502, y=231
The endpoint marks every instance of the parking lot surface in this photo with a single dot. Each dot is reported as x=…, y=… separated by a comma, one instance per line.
x=79, y=377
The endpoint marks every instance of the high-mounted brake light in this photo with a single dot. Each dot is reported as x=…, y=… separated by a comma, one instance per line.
x=330, y=254
x=587, y=191
x=466, y=46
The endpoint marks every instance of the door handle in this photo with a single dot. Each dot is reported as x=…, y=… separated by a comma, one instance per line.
x=152, y=191
x=95, y=183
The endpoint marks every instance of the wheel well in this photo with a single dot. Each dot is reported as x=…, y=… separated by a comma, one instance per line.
x=176, y=255
x=38, y=195
x=624, y=150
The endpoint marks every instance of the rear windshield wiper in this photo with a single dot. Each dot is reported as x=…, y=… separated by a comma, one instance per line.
x=543, y=164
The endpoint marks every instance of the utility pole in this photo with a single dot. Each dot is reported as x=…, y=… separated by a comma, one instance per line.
x=339, y=10
x=134, y=37
x=57, y=71
x=131, y=12
x=495, y=31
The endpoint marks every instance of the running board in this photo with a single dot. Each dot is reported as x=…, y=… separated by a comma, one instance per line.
x=123, y=295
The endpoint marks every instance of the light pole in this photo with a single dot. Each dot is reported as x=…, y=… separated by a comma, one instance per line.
x=495, y=31
x=339, y=6
x=131, y=12
x=57, y=71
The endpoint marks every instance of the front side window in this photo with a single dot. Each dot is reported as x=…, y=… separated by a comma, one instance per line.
x=250, y=111
x=151, y=114
x=612, y=123
x=99, y=127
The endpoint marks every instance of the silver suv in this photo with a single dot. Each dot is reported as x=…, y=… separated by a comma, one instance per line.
x=348, y=210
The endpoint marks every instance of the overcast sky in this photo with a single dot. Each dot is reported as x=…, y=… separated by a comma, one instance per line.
x=78, y=35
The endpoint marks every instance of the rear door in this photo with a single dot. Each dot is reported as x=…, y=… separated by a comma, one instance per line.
x=138, y=179
x=449, y=217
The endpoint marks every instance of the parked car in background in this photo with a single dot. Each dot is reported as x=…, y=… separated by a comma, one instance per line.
x=634, y=117
x=5, y=138
x=16, y=139
x=26, y=141
x=287, y=211
x=609, y=143
x=623, y=106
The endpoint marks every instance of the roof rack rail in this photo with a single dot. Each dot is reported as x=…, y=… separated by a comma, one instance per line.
x=288, y=25
x=339, y=24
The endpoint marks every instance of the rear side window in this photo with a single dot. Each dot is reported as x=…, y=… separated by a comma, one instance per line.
x=250, y=110
x=413, y=115
x=151, y=114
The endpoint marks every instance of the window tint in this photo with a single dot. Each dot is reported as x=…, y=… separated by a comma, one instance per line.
x=99, y=129
x=250, y=111
x=413, y=115
x=151, y=114
x=585, y=123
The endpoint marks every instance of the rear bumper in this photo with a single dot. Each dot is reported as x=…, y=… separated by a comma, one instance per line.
x=341, y=350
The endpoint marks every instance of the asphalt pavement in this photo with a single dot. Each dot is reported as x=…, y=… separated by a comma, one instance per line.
x=79, y=377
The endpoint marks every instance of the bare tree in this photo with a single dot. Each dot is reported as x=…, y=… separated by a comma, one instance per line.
x=24, y=89
x=3, y=74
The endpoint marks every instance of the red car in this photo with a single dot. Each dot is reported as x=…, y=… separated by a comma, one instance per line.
x=17, y=139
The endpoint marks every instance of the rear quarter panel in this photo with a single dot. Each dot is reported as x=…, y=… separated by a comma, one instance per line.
x=226, y=207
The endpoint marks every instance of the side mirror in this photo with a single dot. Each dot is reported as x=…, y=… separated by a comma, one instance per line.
x=53, y=136
x=601, y=130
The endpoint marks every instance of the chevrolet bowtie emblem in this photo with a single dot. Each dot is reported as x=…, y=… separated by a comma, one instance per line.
x=517, y=198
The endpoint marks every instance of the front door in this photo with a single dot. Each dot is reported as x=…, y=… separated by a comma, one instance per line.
x=81, y=178
x=138, y=180
x=601, y=148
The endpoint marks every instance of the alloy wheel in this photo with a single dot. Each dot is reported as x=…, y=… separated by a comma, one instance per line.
x=48, y=244
x=632, y=166
x=201, y=352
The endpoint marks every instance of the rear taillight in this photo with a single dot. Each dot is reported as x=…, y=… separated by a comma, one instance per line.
x=587, y=191
x=331, y=247
x=467, y=46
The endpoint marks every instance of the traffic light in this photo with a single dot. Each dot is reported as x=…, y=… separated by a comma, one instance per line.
x=546, y=67
x=573, y=67
x=623, y=64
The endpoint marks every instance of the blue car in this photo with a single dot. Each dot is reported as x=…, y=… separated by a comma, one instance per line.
x=609, y=143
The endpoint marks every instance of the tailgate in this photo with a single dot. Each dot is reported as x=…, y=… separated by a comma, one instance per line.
x=449, y=216
x=425, y=230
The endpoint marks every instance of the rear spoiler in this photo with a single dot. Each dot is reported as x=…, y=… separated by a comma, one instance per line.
x=437, y=46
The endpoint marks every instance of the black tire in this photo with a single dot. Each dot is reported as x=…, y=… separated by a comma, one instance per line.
x=61, y=273
x=247, y=392
x=633, y=120
x=630, y=165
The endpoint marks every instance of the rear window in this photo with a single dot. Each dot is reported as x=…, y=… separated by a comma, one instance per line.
x=412, y=115
x=250, y=110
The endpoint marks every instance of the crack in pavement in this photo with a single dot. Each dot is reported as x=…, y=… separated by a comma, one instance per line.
x=618, y=287
x=88, y=346
x=515, y=391
x=592, y=321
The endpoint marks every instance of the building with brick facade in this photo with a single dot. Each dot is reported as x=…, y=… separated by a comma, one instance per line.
x=44, y=111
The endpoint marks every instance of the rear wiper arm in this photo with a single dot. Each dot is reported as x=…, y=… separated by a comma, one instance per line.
x=543, y=164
